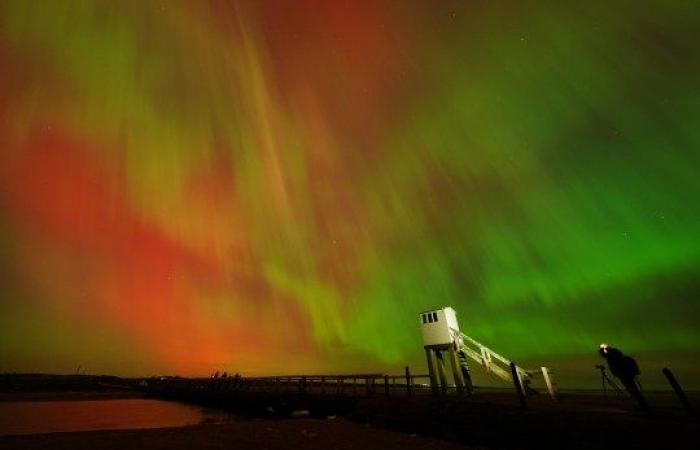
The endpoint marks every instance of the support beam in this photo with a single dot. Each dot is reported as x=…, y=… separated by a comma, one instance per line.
x=679, y=391
x=456, y=372
x=409, y=382
x=441, y=371
x=548, y=382
x=431, y=371
x=517, y=384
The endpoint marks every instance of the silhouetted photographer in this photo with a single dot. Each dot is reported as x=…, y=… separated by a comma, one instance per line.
x=625, y=368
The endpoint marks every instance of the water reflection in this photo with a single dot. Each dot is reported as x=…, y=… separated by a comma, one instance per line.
x=56, y=416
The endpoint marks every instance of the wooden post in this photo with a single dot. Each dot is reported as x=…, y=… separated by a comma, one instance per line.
x=518, y=385
x=431, y=371
x=386, y=385
x=679, y=391
x=485, y=360
x=408, y=382
x=548, y=382
x=456, y=372
x=441, y=371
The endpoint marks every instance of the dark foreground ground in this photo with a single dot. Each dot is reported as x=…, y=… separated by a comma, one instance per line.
x=307, y=434
x=577, y=421
x=488, y=420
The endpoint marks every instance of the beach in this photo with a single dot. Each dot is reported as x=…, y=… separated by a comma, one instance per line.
x=489, y=420
x=307, y=434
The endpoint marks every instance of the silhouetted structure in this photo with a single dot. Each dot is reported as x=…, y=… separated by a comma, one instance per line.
x=607, y=381
x=444, y=342
x=679, y=391
x=625, y=368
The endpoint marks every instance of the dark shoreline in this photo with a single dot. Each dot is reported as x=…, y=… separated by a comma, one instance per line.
x=253, y=434
x=69, y=396
x=489, y=419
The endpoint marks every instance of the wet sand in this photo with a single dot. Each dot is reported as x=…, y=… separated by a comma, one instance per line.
x=575, y=422
x=40, y=417
x=489, y=420
x=307, y=434
x=68, y=396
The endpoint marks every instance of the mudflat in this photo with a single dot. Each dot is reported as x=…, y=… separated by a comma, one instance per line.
x=307, y=434
x=68, y=395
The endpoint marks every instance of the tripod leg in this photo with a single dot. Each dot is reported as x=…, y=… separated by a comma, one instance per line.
x=617, y=388
x=602, y=381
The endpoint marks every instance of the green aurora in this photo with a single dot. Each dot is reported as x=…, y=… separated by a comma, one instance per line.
x=535, y=165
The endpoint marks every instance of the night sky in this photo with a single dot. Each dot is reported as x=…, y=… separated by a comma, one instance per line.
x=276, y=187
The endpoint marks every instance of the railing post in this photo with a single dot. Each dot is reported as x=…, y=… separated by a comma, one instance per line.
x=549, y=383
x=408, y=382
x=518, y=385
x=679, y=391
x=386, y=385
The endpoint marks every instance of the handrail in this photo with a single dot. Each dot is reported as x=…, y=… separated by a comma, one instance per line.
x=478, y=357
x=358, y=375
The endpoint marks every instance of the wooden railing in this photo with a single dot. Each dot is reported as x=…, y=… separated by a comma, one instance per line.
x=331, y=385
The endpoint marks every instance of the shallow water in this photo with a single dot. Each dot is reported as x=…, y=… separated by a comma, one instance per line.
x=57, y=416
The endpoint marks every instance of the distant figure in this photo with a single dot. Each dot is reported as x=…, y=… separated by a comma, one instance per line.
x=625, y=368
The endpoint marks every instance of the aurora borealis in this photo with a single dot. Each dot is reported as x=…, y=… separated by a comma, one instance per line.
x=282, y=186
